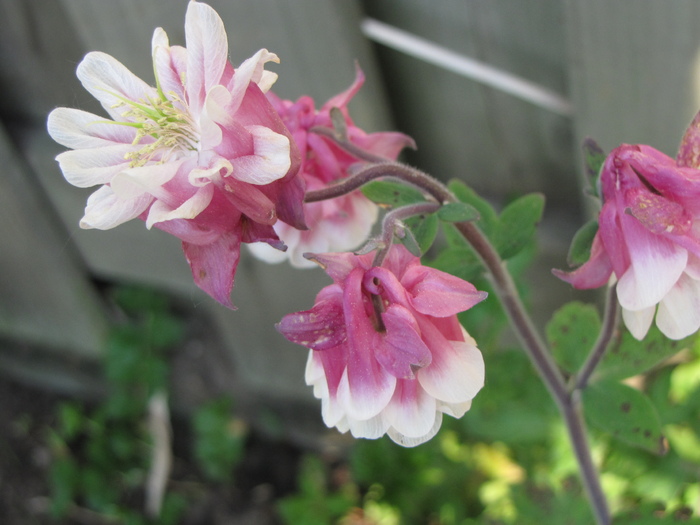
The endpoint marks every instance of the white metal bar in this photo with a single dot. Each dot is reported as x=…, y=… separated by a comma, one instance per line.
x=468, y=67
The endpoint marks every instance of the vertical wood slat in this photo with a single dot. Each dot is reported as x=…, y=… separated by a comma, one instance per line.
x=633, y=69
x=46, y=298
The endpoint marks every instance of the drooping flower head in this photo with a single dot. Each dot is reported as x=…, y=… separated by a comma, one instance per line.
x=387, y=353
x=202, y=154
x=649, y=237
x=339, y=224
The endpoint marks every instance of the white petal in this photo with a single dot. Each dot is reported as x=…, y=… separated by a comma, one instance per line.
x=455, y=410
x=207, y=51
x=265, y=252
x=455, y=374
x=678, y=315
x=372, y=428
x=78, y=129
x=655, y=266
x=408, y=442
x=271, y=161
x=161, y=212
x=203, y=176
x=639, y=321
x=107, y=80
x=89, y=167
x=105, y=210
x=132, y=182
x=368, y=397
x=411, y=414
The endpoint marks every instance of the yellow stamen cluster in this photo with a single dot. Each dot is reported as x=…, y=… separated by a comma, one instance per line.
x=164, y=120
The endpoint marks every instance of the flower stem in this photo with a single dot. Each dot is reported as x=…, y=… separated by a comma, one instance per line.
x=567, y=402
x=611, y=318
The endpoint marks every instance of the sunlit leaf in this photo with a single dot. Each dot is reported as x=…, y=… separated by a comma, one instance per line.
x=626, y=414
x=571, y=333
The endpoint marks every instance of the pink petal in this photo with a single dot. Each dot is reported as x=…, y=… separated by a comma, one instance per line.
x=214, y=265
x=689, y=150
x=593, y=273
x=320, y=328
x=403, y=350
x=655, y=266
x=252, y=70
x=366, y=387
x=658, y=214
x=132, y=182
x=439, y=294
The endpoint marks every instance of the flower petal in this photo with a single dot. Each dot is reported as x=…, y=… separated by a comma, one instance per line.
x=207, y=51
x=411, y=412
x=271, y=159
x=89, y=167
x=655, y=265
x=110, y=82
x=196, y=204
x=105, y=210
x=438, y=293
x=214, y=265
x=78, y=129
x=408, y=442
x=678, y=315
x=403, y=350
x=639, y=321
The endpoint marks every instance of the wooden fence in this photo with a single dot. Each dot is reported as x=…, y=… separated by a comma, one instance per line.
x=629, y=70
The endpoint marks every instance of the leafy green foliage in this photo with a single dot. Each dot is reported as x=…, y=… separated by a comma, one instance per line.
x=102, y=454
x=488, y=218
x=458, y=212
x=631, y=357
x=571, y=333
x=219, y=440
x=423, y=230
x=517, y=224
x=580, y=249
x=626, y=413
x=593, y=158
x=316, y=502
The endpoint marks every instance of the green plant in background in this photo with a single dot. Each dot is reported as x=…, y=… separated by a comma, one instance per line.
x=219, y=440
x=101, y=453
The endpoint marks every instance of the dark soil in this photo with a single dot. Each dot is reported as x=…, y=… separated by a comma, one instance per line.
x=267, y=472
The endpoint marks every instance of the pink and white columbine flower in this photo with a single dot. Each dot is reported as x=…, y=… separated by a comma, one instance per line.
x=649, y=237
x=339, y=224
x=388, y=354
x=202, y=155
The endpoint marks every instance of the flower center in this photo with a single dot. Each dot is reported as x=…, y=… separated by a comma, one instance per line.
x=166, y=120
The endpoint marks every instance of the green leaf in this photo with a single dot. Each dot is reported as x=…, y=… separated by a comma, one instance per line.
x=393, y=194
x=580, y=249
x=571, y=333
x=458, y=212
x=593, y=158
x=627, y=414
x=488, y=218
x=631, y=357
x=460, y=262
x=516, y=226
x=424, y=228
